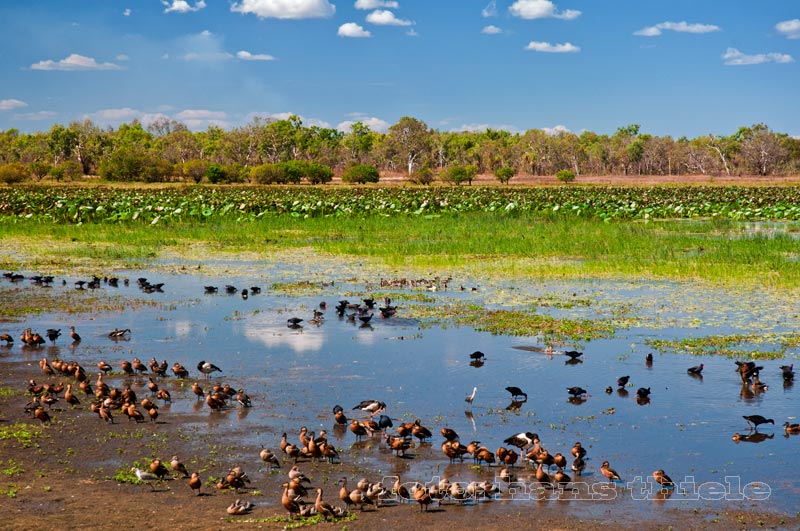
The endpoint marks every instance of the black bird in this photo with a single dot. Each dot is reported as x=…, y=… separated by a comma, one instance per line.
x=516, y=391
x=696, y=370
x=293, y=322
x=370, y=303
x=573, y=354
x=384, y=422
x=648, y=360
x=643, y=392
x=52, y=334
x=230, y=289
x=788, y=372
x=206, y=367
x=622, y=381
x=577, y=391
x=477, y=355
x=757, y=420
x=255, y=290
x=244, y=293
x=210, y=289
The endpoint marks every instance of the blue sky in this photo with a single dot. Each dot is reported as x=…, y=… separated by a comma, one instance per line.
x=677, y=67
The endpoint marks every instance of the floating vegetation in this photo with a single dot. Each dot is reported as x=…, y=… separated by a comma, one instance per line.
x=732, y=346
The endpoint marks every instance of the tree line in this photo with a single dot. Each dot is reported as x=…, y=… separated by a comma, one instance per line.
x=286, y=151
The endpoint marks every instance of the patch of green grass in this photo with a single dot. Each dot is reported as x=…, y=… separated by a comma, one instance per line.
x=7, y=391
x=11, y=467
x=10, y=490
x=295, y=523
x=732, y=346
x=24, y=434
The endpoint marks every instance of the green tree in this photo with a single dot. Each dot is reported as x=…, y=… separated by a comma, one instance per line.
x=409, y=141
x=319, y=173
x=12, y=173
x=39, y=169
x=460, y=174
x=134, y=164
x=565, y=176
x=268, y=174
x=359, y=142
x=216, y=173
x=361, y=173
x=504, y=174
x=194, y=170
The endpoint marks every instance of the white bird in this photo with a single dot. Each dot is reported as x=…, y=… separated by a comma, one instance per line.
x=145, y=477
x=471, y=397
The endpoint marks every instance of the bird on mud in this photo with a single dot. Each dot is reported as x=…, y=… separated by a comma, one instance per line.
x=206, y=367
x=757, y=420
x=370, y=406
x=609, y=472
x=145, y=477
x=523, y=440
x=663, y=479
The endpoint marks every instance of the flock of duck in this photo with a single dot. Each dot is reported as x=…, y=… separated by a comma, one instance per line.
x=523, y=448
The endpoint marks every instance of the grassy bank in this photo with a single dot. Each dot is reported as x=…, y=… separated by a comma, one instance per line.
x=718, y=252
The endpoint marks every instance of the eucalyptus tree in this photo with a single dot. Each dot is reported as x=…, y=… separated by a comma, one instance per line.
x=409, y=141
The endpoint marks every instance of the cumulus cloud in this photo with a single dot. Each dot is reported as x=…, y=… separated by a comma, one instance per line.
x=36, y=116
x=491, y=30
x=7, y=105
x=351, y=29
x=479, y=128
x=567, y=47
x=204, y=46
x=376, y=4
x=285, y=9
x=532, y=9
x=285, y=116
x=182, y=6
x=202, y=118
x=490, y=10
x=244, y=55
x=680, y=27
x=789, y=28
x=74, y=62
x=557, y=130
x=122, y=57
x=126, y=13
x=734, y=57
x=381, y=17
x=375, y=124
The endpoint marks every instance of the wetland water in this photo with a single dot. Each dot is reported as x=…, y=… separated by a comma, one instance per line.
x=295, y=377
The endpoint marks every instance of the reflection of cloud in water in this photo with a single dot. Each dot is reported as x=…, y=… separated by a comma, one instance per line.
x=262, y=328
x=183, y=328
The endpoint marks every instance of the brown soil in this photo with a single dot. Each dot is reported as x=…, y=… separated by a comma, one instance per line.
x=65, y=481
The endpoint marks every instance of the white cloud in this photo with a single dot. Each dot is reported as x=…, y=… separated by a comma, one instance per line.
x=247, y=56
x=375, y=4
x=309, y=122
x=36, y=116
x=351, y=29
x=531, y=9
x=126, y=13
x=491, y=30
x=200, y=114
x=114, y=115
x=285, y=9
x=412, y=33
x=74, y=62
x=479, y=128
x=206, y=56
x=382, y=17
x=734, y=57
x=122, y=57
x=149, y=118
x=553, y=131
x=490, y=10
x=789, y=28
x=204, y=46
x=182, y=6
x=375, y=124
x=680, y=27
x=7, y=105
x=567, y=47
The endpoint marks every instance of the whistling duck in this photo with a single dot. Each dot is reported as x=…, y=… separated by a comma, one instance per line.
x=269, y=458
x=523, y=440
x=370, y=406
x=542, y=476
x=195, y=483
x=145, y=477
x=483, y=454
x=755, y=437
x=757, y=420
x=134, y=414
x=239, y=507
x=243, y=399
x=42, y=415
x=291, y=504
x=471, y=397
x=622, y=381
x=559, y=460
x=152, y=386
x=153, y=413
x=7, y=338
x=516, y=392
x=36, y=340
x=454, y=450
x=180, y=371
x=560, y=478
x=52, y=334
x=578, y=465
x=176, y=466
x=292, y=451
x=578, y=450
x=103, y=366
x=323, y=508
x=576, y=391
x=69, y=398
x=164, y=395
x=449, y=434
x=158, y=468
x=338, y=415
x=791, y=428
x=420, y=432
x=46, y=368
x=105, y=414
x=206, y=367
x=76, y=338
x=138, y=366
x=423, y=497
x=609, y=390
x=663, y=479
x=126, y=366
x=697, y=370
x=213, y=402
x=398, y=444
x=198, y=391
x=609, y=472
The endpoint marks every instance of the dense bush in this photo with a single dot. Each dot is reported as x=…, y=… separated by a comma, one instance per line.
x=361, y=173
x=268, y=174
x=13, y=173
x=215, y=173
x=504, y=174
x=133, y=164
x=194, y=170
x=39, y=169
x=422, y=176
x=319, y=174
x=460, y=174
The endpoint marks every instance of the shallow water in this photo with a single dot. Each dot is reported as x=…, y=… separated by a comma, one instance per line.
x=424, y=372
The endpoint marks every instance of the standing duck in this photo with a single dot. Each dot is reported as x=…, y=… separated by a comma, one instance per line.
x=609, y=472
x=206, y=367
x=663, y=479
